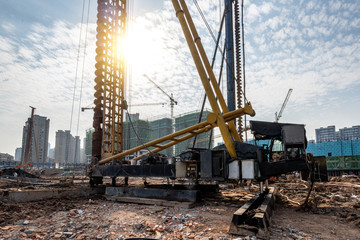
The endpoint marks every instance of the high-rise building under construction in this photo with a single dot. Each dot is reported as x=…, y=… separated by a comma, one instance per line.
x=187, y=120
x=161, y=128
x=135, y=133
x=39, y=140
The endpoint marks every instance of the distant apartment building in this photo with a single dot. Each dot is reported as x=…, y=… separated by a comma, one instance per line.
x=39, y=139
x=51, y=156
x=18, y=154
x=67, y=148
x=5, y=157
x=350, y=133
x=329, y=134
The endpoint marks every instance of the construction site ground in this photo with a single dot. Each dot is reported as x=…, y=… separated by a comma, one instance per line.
x=332, y=212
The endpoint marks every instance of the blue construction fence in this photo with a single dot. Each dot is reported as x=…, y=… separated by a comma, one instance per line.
x=337, y=148
x=328, y=149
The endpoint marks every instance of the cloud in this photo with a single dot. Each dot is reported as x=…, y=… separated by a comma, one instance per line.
x=40, y=67
x=309, y=46
x=308, y=58
x=8, y=27
x=165, y=57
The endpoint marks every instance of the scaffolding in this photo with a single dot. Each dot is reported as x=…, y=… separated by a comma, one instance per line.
x=187, y=120
x=110, y=78
x=160, y=128
x=88, y=141
x=136, y=133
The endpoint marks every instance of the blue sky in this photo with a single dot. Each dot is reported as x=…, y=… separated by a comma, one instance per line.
x=310, y=46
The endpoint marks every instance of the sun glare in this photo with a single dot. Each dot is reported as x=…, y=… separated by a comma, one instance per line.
x=142, y=48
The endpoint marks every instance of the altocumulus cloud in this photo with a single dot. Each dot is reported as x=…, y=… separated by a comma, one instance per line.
x=310, y=46
x=40, y=67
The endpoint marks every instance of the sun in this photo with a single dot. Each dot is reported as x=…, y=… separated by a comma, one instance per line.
x=143, y=47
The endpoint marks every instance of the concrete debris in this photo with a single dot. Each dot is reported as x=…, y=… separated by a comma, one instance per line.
x=11, y=172
x=52, y=172
x=327, y=217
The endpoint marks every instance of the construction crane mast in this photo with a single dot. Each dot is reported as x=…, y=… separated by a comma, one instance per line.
x=148, y=104
x=278, y=116
x=27, y=161
x=110, y=79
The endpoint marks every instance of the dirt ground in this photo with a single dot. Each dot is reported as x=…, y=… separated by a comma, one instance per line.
x=333, y=212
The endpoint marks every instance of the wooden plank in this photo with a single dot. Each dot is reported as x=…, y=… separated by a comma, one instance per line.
x=243, y=230
x=150, y=201
x=259, y=223
x=246, y=206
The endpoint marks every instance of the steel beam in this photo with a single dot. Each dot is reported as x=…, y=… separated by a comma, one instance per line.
x=229, y=55
x=157, y=170
x=168, y=194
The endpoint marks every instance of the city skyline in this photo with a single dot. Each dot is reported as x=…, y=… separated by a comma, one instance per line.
x=329, y=133
x=136, y=116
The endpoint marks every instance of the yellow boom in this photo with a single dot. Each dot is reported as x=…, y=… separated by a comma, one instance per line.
x=184, y=134
x=221, y=117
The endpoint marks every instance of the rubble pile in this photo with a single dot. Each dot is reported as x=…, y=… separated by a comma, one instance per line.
x=346, y=178
x=52, y=172
x=332, y=212
x=338, y=199
x=10, y=172
x=100, y=219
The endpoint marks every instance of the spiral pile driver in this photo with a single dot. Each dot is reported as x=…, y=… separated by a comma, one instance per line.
x=233, y=160
x=109, y=101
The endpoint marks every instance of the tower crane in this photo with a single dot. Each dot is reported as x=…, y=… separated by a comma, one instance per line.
x=27, y=161
x=148, y=104
x=278, y=116
x=86, y=108
x=134, y=105
x=172, y=102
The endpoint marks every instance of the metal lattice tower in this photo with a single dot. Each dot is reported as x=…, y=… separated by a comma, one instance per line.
x=110, y=78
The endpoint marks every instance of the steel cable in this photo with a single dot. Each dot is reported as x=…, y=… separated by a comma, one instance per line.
x=77, y=65
x=214, y=39
x=83, y=68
